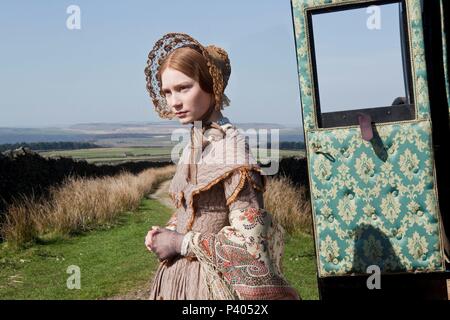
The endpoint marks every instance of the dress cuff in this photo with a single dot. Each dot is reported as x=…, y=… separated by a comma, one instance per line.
x=185, y=244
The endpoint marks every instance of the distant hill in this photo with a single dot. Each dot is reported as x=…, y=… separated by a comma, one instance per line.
x=41, y=146
x=135, y=133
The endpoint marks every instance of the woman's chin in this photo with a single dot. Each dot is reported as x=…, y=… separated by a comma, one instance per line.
x=185, y=120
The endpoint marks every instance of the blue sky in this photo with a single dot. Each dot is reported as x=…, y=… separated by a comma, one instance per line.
x=51, y=75
x=54, y=76
x=358, y=67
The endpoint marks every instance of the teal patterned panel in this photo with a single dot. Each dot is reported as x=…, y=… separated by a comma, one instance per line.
x=375, y=204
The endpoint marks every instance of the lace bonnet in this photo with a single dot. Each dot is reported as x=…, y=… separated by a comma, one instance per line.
x=216, y=59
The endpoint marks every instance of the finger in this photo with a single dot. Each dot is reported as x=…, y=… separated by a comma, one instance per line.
x=148, y=244
x=152, y=232
x=148, y=240
x=151, y=236
x=155, y=231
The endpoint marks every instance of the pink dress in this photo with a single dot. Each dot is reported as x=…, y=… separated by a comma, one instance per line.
x=234, y=246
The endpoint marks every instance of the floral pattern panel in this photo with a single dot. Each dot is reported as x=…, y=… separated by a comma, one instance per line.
x=375, y=210
x=374, y=203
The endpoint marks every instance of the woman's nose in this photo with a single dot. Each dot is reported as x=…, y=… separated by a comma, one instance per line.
x=175, y=101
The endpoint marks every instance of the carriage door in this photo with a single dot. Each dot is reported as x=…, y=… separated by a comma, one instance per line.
x=366, y=117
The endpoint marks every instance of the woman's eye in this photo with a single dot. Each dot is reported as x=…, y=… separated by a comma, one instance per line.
x=167, y=93
x=184, y=89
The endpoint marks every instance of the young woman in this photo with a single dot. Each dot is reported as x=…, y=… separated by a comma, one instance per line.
x=220, y=242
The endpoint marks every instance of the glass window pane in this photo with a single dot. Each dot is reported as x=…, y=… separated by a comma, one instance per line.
x=359, y=59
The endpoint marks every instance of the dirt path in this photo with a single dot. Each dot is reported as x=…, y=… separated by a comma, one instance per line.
x=162, y=195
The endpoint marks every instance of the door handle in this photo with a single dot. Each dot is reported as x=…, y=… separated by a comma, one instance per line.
x=317, y=148
x=365, y=125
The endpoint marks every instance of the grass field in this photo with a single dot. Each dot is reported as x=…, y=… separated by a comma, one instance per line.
x=114, y=261
x=299, y=265
x=113, y=154
x=121, y=154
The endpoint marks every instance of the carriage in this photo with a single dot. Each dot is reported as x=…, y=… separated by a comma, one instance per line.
x=374, y=87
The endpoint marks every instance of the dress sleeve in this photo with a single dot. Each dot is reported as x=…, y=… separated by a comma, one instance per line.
x=246, y=254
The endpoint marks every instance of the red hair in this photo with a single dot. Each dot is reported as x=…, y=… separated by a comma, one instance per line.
x=190, y=62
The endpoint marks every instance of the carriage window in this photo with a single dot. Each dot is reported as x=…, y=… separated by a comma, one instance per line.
x=361, y=63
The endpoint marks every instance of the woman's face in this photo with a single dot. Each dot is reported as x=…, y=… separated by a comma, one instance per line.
x=184, y=96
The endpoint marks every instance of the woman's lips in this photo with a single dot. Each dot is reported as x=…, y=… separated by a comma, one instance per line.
x=181, y=114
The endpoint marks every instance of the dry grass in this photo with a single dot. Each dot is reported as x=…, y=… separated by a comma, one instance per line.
x=84, y=204
x=80, y=205
x=289, y=204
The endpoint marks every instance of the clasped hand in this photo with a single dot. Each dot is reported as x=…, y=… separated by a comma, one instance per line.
x=163, y=242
